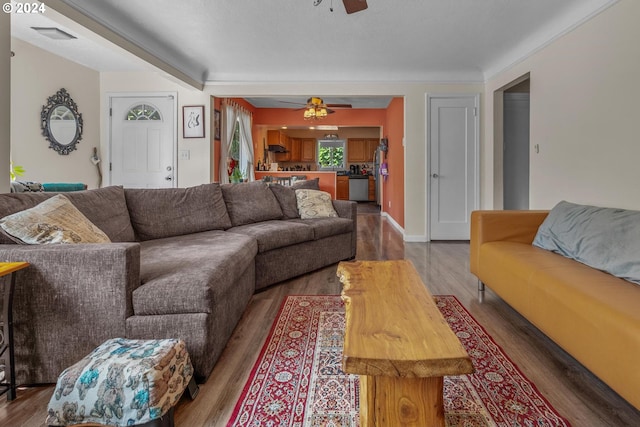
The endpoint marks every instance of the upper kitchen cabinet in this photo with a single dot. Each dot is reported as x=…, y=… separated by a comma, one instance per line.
x=356, y=150
x=296, y=144
x=308, y=150
x=275, y=137
x=372, y=146
x=361, y=150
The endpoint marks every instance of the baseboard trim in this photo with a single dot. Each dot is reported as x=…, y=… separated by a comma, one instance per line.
x=393, y=222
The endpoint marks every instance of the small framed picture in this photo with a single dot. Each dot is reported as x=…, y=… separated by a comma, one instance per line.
x=216, y=125
x=193, y=121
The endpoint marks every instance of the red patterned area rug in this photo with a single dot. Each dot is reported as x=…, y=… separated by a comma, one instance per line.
x=298, y=382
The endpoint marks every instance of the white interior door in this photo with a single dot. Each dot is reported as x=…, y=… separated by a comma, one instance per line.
x=143, y=141
x=453, y=166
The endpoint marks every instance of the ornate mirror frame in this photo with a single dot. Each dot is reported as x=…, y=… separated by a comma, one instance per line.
x=60, y=99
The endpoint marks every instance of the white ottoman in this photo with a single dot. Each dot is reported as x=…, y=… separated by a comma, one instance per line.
x=124, y=383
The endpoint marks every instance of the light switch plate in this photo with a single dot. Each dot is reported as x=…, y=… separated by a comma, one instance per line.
x=184, y=154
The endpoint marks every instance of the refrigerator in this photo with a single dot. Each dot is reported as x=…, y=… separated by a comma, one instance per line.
x=377, y=160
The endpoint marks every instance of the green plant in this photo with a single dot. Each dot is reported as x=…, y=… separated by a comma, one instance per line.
x=15, y=171
x=236, y=175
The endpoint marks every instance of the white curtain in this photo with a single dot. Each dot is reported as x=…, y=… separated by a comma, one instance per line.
x=247, y=141
x=229, y=116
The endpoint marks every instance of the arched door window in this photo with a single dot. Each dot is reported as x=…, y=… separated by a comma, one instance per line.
x=143, y=112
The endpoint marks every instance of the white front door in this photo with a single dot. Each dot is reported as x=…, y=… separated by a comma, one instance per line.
x=453, y=167
x=143, y=140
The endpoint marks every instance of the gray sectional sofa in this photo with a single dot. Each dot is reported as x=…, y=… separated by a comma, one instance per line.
x=182, y=263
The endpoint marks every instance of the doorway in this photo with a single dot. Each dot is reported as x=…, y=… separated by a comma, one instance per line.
x=143, y=140
x=516, y=146
x=453, y=180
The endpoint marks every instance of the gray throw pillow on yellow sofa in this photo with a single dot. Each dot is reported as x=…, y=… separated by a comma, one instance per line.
x=607, y=239
x=55, y=220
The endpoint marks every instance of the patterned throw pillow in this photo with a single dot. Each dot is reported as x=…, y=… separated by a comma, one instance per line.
x=315, y=204
x=56, y=220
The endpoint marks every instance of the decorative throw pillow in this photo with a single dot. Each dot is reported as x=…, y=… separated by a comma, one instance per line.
x=55, y=220
x=315, y=204
x=607, y=239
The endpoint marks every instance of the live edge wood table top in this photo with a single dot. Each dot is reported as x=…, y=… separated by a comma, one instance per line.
x=399, y=343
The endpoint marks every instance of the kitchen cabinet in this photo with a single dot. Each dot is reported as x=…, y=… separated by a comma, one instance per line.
x=342, y=188
x=372, y=189
x=295, y=149
x=372, y=146
x=356, y=150
x=275, y=137
x=308, y=150
x=361, y=150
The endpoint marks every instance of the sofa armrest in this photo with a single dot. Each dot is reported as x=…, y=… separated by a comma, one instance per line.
x=348, y=209
x=512, y=226
x=69, y=300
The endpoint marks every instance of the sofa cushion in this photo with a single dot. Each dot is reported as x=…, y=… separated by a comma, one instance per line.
x=190, y=273
x=275, y=234
x=287, y=195
x=164, y=212
x=315, y=204
x=55, y=220
x=105, y=207
x=325, y=227
x=607, y=239
x=250, y=202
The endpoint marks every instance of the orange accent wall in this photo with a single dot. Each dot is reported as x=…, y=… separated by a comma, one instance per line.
x=346, y=117
x=393, y=185
x=391, y=120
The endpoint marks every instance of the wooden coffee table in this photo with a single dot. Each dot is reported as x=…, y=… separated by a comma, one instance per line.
x=399, y=343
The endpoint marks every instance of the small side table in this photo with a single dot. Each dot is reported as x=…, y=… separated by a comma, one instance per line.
x=8, y=384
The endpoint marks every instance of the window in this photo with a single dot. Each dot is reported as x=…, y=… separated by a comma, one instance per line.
x=238, y=155
x=143, y=112
x=331, y=154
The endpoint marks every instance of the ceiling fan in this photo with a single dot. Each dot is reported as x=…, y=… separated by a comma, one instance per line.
x=315, y=108
x=351, y=6
x=317, y=102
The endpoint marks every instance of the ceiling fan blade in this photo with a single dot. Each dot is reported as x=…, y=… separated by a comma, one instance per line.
x=339, y=106
x=330, y=111
x=353, y=6
x=294, y=103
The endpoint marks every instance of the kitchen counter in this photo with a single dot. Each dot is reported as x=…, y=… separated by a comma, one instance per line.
x=326, y=179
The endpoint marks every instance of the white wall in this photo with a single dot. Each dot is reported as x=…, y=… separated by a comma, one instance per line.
x=584, y=115
x=5, y=100
x=191, y=172
x=35, y=76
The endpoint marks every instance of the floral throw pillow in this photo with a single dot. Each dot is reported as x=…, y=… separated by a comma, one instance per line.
x=56, y=220
x=315, y=204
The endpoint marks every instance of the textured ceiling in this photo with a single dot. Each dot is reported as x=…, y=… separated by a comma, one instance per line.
x=294, y=41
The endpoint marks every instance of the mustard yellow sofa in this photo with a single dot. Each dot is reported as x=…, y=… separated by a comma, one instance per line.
x=592, y=315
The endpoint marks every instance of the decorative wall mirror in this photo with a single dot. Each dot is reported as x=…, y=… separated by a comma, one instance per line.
x=61, y=123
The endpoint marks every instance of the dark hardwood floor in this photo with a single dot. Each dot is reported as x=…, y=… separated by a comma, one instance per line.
x=444, y=267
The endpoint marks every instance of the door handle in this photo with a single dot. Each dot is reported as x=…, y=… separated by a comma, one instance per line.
x=435, y=175
x=168, y=178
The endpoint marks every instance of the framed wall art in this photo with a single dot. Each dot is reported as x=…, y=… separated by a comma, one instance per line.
x=193, y=121
x=216, y=125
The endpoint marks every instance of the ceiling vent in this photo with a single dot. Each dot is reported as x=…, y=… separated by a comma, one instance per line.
x=54, y=33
